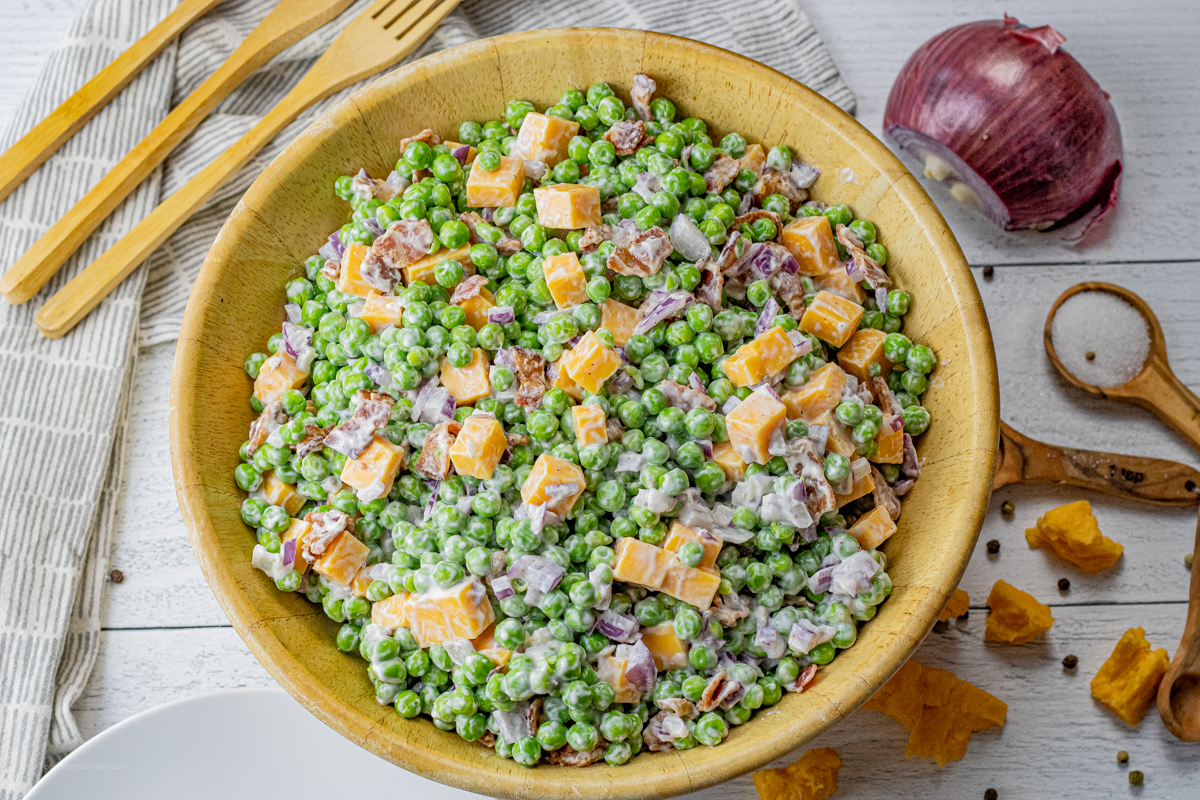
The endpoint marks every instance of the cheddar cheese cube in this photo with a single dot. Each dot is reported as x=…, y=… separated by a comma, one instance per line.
x=862, y=350
x=378, y=462
x=611, y=670
x=389, y=612
x=342, y=559
x=810, y=241
x=476, y=308
x=422, y=268
x=543, y=138
x=666, y=648
x=461, y=612
x=729, y=461
x=589, y=425
x=562, y=380
x=350, y=279
x=362, y=581
x=497, y=189
x=293, y=545
x=379, y=312
x=861, y=487
x=281, y=494
x=840, y=440
x=486, y=644
x=655, y=568
x=548, y=472
x=590, y=363
x=831, y=318
x=619, y=320
x=680, y=535
x=821, y=393
x=277, y=375
x=766, y=354
x=565, y=279
x=889, y=444
x=470, y=383
x=477, y=448
x=754, y=159
x=567, y=206
x=873, y=528
x=838, y=281
x=471, y=151
x=751, y=424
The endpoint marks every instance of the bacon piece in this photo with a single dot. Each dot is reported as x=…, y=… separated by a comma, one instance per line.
x=531, y=371
x=326, y=525
x=806, y=463
x=757, y=214
x=401, y=244
x=627, y=136
x=641, y=94
x=332, y=270
x=434, y=461
x=272, y=417
x=567, y=756
x=654, y=736
x=314, y=440
x=644, y=255
x=791, y=290
x=884, y=496
x=709, y=698
x=595, y=235
x=685, y=397
x=712, y=284
x=467, y=288
x=772, y=181
x=516, y=439
x=354, y=435
x=679, y=706
x=802, y=680
x=427, y=136
x=722, y=172
x=488, y=739
x=867, y=267
x=884, y=397
x=729, y=609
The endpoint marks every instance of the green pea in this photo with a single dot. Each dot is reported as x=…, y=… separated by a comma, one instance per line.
x=878, y=253
x=916, y=420
x=849, y=413
x=839, y=214
x=837, y=467
x=914, y=382
x=758, y=293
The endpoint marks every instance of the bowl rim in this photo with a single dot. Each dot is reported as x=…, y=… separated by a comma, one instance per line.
x=677, y=772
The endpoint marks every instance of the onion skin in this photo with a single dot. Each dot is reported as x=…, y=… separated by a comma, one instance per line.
x=1016, y=119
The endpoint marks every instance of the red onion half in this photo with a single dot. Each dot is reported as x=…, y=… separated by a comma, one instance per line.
x=1015, y=125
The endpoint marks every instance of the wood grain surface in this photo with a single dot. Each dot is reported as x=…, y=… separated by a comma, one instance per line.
x=166, y=637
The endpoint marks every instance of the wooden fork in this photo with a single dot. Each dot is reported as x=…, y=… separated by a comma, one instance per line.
x=31, y=150
x=378, y=38
x=287, y=23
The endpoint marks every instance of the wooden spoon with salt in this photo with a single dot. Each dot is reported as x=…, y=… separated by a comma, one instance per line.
x=1179, y=692
x=1155, y=386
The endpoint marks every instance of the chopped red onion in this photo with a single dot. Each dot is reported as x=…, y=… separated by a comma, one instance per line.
x=800, y=491
x=662, y=305
x=820, y=580
x=646, y=185
x=289, y=553
x=538, y=572
x=423, y=395
x=820, y=437
x=463, y=504
x=804, y=175
x=853, y=575
x=544, y=317
x=654, y=500
x=801, y=342
x=562, y=491
x=630, y=462
x=640, y=670
x=293, y=312
x=786, y=509
x=501, y=315
x=769, y=312
x=432, y=498
x=372, y=224
x=381, y=375
x=771, y=642
x=297, y=341
x=894, y=422
x=852, y=270
x=461, y=152
x=504, y=358
x=537, y=517
x=881, y=294
x=744, y=204
x=687, y=238
x=618, y=627
x=733, y=402
x=333, y=249
x=911, y=466
x=673, y=727
x=514, y=724
x=859, y=469
x=706, y=446
x=764, y=263
x=535, y=170
x=806, y=635
x=619, y=382
x=903, y=487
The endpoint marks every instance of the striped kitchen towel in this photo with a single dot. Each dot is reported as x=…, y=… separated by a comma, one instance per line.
x=62, y=402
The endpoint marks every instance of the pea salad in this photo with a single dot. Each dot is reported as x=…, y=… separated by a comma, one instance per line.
x=587, y=429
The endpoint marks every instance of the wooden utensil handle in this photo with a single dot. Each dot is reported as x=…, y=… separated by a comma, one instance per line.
x=75, y=300
x=31, y=150
x=286, y=24
x=1145, y=480
x=1161, y=392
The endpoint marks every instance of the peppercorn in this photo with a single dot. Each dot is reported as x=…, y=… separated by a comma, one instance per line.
x=1007, y=508
x=117, y=576
x=1063, y=584
x=1122, y=757
x=1187, y=560
x=988, y=272
x=1090, y=355
x=1070, y=662
x=993, y=547
x=1136, y=777
x=991, y=794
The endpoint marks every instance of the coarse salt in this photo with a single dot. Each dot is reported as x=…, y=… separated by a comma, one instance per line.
x=1106, y=326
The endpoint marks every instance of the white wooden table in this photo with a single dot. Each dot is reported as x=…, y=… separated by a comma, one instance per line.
x=165, y=638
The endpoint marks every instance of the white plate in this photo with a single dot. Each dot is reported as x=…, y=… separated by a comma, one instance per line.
x=240, y=744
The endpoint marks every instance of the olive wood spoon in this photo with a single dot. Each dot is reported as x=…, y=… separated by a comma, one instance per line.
x=1144, y=480
x=1179, y=692
x=1155, y=387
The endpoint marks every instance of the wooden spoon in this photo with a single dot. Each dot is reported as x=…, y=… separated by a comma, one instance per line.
x=1179, y=692
x=1144, y=480
x=1155, y=387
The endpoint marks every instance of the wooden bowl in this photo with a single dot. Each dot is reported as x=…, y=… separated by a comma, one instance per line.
x=287, y=213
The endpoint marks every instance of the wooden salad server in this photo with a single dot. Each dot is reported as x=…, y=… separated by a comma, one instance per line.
x=1179, y=692
x=287, y=23
x=1155, y=388
x=31, y=150
x=382, y=35
x=1145, y=480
